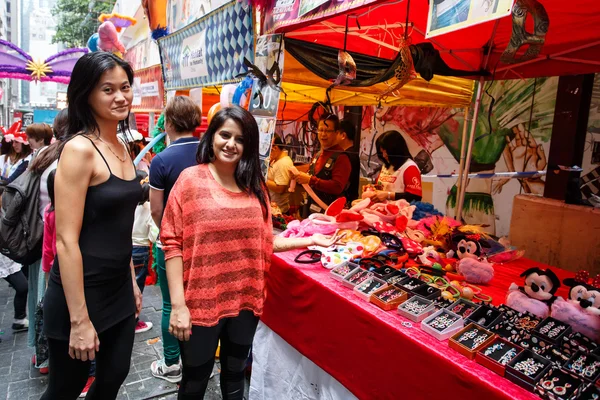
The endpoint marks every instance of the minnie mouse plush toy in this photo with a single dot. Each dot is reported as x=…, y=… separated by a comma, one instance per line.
x=582, y=309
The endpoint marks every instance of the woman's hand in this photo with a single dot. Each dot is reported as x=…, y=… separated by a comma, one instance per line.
x=376, y=195
x=84, y=342
x=180, y=324
x=137, y=294
x=326, y=241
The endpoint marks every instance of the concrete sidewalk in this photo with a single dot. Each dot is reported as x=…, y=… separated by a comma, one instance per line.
x=19, y=380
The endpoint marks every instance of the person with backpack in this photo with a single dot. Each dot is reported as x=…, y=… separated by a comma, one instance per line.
x=16, y=159
x=92, y=299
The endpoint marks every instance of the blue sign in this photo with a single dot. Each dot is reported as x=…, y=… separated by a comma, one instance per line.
x=44, y=116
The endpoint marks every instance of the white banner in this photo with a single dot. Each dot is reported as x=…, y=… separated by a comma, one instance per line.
x=137, y=92
x=451, y=15
x=150, y=89
x=193, y=56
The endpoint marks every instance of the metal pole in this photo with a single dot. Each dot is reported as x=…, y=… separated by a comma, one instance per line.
x=463, y=146
x=465, y=176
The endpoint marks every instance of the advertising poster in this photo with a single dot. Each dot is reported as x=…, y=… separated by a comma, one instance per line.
x=193, y=56
x=209, y=51
x=283, y=15
x=269, y=51
x=148, y=90
x=266, y=129
x=450, y=15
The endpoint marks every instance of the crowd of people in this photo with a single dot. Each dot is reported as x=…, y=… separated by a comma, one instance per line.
x=203, y=202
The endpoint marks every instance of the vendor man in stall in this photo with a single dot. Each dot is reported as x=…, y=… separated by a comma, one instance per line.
x=278, y=179
x=329, y=172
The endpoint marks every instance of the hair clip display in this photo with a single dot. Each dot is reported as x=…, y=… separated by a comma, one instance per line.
x=486, y=316
x=368, y=286
x=585, y=365
x=443, y=324
x=560, y=383
x=427, y=291
x=356, y=277
x=552, y=329
x=396, y=278
x=339, y=272
x=471, y=339
x=410, y=284
x=416, y=308
x=463, y=307
x=578, y=342
x=493, y=348
x=388, y=297
x=496, y=354
x=526, y=369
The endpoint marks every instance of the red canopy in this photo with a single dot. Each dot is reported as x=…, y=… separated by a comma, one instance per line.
x=572, y=43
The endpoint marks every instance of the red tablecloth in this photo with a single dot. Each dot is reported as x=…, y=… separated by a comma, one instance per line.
x=367, y=349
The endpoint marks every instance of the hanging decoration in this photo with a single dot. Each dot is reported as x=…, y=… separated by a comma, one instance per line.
x=118, y=20
x=520, y=37
x=17, y=64
x=108, y=39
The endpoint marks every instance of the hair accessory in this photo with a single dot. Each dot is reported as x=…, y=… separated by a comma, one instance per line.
x=549, y=383
x=561, y=390
x=479, y=340
x=308, y=257
x=508, y=356
x=468, y=335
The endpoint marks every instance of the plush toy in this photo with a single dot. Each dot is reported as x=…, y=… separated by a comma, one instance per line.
x=536, y=295
x=108, y=39
x=582, y=309
x=468, y=246
x=475, y=271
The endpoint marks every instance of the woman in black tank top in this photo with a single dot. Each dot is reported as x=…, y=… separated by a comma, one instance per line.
x=92, y=298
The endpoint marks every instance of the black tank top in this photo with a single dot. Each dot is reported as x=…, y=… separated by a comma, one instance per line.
x=105, y=244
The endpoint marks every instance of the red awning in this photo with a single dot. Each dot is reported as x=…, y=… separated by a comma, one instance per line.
x=572, y=43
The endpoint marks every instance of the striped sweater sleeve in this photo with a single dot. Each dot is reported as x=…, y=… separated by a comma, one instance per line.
x=171, y=232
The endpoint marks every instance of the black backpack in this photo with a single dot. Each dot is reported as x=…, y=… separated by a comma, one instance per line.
x=21, y=225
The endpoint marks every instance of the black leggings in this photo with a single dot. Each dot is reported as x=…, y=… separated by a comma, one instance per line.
x=18, y=281
x=198, y=356
x=68, y=377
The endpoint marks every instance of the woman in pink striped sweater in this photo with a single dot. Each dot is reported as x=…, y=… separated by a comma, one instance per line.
x=218, y=241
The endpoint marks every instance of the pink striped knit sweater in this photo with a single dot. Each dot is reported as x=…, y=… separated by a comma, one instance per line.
x=225, y=243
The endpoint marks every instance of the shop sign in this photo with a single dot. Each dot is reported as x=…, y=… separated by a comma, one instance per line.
x=193, y=56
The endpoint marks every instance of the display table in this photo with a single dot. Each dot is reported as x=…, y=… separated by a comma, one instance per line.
x=368, y=350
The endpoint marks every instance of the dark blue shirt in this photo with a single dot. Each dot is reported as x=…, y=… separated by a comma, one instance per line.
x=169, y=163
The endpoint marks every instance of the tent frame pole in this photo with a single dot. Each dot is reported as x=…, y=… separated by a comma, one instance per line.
x=461, y=166
x=461, y=190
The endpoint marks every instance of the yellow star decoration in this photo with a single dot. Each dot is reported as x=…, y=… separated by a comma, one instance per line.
x=38, y=69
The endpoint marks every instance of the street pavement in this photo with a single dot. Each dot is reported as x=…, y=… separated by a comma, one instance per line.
x=19, y=380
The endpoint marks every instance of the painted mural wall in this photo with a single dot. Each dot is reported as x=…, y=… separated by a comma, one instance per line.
x=513, y=134
x=591, y=155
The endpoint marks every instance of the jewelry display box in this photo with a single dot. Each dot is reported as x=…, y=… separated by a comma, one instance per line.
x=556, y=356
x=388, y=298
x=534, y=343
x=470, y=339
x=367, y=287
x=356, y=277
x=526, y=369
x=485, y=316
x=497, y=354
x=416, y=308
x=463, y=307
x=577, y=342
x=585, y=365
x=341, y=271
x=558, y=384
x=395, y=278
x=552, y=330
x=590, y=392
x=443, y=324
x=409, y=285
x=427, y=292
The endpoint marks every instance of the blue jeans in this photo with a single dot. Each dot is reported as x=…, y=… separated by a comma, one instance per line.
x=140, y=256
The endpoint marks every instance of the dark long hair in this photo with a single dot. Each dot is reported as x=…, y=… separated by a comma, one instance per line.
x=50, y=187
x=85, y=76
x=248, y=175
x=394, y=144
x=48, y=156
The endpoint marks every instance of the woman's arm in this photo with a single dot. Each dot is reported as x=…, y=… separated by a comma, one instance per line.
x=171, y=234
x=73, y=177
x=281, y=244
